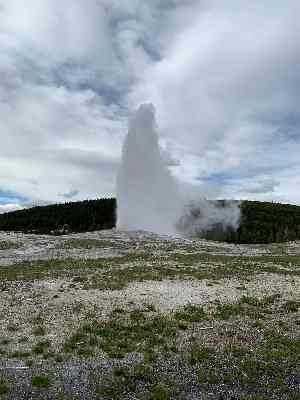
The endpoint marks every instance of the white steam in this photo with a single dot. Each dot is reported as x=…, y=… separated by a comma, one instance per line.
x=146, y=192
x=148, y=196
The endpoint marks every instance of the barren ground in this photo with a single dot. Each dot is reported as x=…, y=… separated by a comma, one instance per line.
x=115, y=315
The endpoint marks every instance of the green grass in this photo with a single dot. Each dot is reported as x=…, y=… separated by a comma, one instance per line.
x=7, y=245
x=41, y=347
x=88, y=244
x=160, y=392
x=199, y=352
x=118, y=272
x=4, y=386
x=291, y=306
x=191, y=313
x=253, y=368
x=122, y=381
x=248, y=371
x=263, y=369
x=41, y=381
x=23, y=339
x=149, y=332
x=39, y=331
x=129, y=379
x=247, y=306
x=20, y=354
x=11, y=327
x=257, y=367
x=124, y=334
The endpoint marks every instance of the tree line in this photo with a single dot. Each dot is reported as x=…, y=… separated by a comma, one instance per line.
x=261, y=222
x=80, y=216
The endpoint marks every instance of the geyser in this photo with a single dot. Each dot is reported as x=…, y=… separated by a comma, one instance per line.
x=148, y=196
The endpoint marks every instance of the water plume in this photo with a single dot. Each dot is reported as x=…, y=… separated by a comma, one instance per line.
x=148, y=196
x=146, y=192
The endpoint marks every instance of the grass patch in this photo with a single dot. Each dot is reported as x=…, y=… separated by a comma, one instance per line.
x=4, y=386
x=261, y=370
x=127, y=380
x=152, y=333
x=41, y=347
x=117, y=272
x=160, y=392
x=247, y=306
x=64, y=268
x=123, y=334
x=39, y=331
x=20, y=354
x=199, y=352
x=11, y=327
x=291, y=306
x=191, y=313
x=123, y=381
x=8, y=245
x=41, y=381
x=23, y=339
x=88, y=244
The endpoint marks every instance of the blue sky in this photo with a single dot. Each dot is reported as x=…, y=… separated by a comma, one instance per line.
x=224, y=78
x=8, y=198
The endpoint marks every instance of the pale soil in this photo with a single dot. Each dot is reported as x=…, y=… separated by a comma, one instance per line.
x=62, y=305
x=45, y=247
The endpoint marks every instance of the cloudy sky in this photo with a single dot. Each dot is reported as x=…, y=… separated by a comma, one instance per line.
x=224, y=78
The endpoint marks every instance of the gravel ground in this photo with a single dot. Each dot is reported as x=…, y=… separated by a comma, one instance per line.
x=51, y=306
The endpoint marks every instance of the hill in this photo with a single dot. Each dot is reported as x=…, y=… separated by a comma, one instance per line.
x=81, y=216
x=261, y=222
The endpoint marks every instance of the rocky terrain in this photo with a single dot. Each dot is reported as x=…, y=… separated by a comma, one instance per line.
x=116, y=315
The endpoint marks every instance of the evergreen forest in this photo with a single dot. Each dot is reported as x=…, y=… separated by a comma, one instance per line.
x=261, y=222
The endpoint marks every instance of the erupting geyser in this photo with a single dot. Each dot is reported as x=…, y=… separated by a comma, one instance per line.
x=146, y=192
x=148, y=196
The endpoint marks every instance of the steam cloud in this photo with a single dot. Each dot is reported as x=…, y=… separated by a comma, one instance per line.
x=148, y=196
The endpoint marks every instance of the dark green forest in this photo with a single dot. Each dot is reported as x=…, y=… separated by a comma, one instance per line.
x=80, y=216
x=268, y=222
x=261, y=222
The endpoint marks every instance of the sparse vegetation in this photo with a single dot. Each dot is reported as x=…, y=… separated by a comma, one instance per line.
x=117, y=272
x=87, y=244
x=260, y=370
x=123, y=334
x=247, y=306
x=64, y=331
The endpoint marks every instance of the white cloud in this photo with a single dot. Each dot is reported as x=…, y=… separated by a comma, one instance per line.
x=9, y=207
x=227, y=88
x=223, y=77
